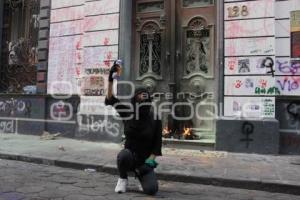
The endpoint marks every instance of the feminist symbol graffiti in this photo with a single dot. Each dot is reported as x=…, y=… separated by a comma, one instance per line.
x=247, y=130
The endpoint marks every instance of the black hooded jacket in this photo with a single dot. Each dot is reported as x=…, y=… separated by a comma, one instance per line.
x=143, y=136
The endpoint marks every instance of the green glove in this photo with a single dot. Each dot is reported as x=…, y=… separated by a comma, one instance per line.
x=152, y=163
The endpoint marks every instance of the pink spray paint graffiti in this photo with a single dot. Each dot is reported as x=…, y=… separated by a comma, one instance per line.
x=249, y=28
x=76, y=48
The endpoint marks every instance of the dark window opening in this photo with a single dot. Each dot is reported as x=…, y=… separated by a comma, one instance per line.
x=150, y=50
x=19, y=46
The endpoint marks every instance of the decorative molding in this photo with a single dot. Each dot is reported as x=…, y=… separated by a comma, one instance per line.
x=198, y=49
x=147, y=7
x=150, y=84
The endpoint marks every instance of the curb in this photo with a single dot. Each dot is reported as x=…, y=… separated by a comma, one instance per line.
x=241, y=184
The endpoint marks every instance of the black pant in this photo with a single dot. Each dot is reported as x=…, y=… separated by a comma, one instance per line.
x=128, y=162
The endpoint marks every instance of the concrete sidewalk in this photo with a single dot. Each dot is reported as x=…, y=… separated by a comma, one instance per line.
x=248, y=171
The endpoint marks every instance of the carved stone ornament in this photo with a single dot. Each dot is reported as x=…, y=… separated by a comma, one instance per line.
x=197, y=48
x=150, y=84
x=197, y=85
x=197, y=23
x=162, y=20
x=138, y=22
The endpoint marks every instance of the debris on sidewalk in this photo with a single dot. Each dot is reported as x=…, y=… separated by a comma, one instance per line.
x=48, y=136
x=90, y=170
x=195, y=153
x=61, y=148
x=295, y=162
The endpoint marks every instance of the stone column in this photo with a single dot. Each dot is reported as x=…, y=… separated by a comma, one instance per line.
x=1, y=26
x=43, y=46
x=125, y=40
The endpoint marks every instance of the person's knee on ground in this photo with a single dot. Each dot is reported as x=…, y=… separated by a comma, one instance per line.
x=125, y=162
x=149, y=183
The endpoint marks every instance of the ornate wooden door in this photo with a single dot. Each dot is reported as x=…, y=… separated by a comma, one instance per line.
x=174, y=53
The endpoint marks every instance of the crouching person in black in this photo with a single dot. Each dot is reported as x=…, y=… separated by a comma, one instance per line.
x=143, y=138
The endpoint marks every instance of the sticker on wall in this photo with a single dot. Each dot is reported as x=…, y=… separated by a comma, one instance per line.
x=94, y=85
x=252, y=107
x=263, y=65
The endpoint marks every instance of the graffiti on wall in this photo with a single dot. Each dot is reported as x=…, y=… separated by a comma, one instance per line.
x=288, y=85
x=290, y=126
x=13, y=107
x=254, y=107
x=61, y=111
x=247, y=131
x=249, y=9
x=90, y=124
x=250, y=50
x=250, y=65
x=7, y=126
x=249, y=28
x=86, y=34
x=293, y=114
x=250, y=46
x=285, y=66
x=250, y=85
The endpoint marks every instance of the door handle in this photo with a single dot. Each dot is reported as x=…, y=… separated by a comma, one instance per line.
x=168, y=55
x=178, y=55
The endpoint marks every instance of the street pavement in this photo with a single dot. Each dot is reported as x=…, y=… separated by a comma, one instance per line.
x=27, y=181
x=247, y=171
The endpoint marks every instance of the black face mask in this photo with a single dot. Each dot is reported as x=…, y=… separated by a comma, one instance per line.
x=143, y=106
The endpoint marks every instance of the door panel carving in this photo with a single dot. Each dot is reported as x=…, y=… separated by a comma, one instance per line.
x=198, y=41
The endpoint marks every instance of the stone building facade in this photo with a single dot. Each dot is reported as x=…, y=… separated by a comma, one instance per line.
x=233, y=62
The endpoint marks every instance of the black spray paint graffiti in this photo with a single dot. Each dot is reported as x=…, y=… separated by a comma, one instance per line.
x=294, y=110
x=292, y=115
x=268, y=63
x=247, y=130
